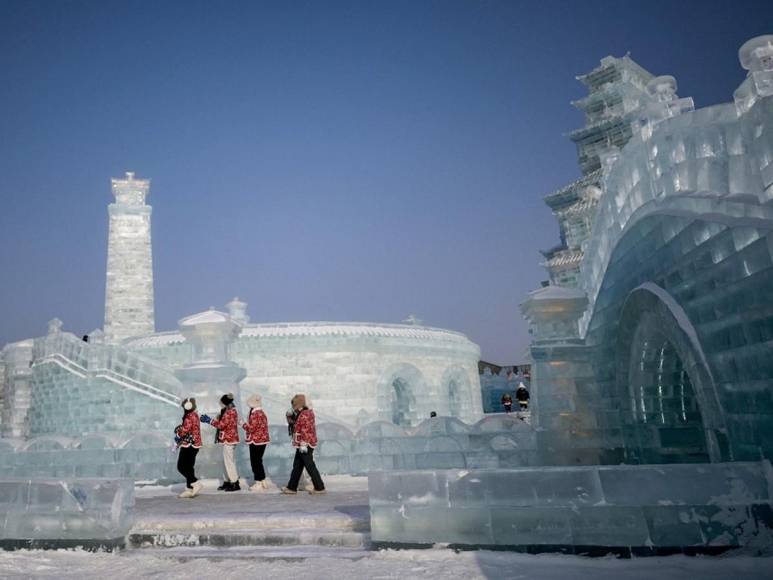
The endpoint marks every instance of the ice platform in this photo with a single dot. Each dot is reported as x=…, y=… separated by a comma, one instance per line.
x=267, y=524
x=642, y=509
x=91, y=513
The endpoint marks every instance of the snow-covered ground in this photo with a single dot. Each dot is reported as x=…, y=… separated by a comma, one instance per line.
x=402, y=564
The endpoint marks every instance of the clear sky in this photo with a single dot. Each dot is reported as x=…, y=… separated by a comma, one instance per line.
x=321, y=160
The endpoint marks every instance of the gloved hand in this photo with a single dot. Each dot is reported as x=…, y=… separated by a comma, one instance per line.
x=206, y=419
x=177, y=439
x=303, y=448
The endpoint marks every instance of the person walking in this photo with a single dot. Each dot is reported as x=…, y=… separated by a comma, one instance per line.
x=188, y=439
x=522, y=395
x=227, y=435
x=256, y=429
x=304, y=441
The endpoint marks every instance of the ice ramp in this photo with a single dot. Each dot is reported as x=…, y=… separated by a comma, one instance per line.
x=629, y=509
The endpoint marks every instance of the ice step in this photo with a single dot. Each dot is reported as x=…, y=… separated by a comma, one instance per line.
x=336, y=538
x=268, y=553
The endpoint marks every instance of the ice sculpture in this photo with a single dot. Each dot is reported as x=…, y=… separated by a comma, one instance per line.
x=210, y=372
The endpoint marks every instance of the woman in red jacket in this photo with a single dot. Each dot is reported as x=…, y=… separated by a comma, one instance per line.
x=256, y=429
x=304, y=441
x=228, y=436
x=188, y=438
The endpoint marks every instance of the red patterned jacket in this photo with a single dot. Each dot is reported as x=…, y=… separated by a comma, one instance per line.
x=256, y=427
x=305, y=429
x=190, y=430
x=227, y=431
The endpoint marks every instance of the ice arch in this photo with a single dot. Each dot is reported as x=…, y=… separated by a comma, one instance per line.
x=665, y=384
x=401, y=389
x=455, y=388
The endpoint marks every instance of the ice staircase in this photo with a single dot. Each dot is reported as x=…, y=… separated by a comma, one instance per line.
x=110, y=362
x=252, y=525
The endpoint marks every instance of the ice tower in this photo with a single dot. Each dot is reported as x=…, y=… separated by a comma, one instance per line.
x=617, y=92
x=129, y=287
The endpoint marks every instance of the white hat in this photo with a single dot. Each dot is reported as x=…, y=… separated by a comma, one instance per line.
x=254, y=401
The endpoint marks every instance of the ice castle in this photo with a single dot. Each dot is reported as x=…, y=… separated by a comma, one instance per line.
x=653, y=341
x=651, y=347
x=355, y=373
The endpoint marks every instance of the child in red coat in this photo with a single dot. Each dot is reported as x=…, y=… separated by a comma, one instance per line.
x=304, y=441
x=228, y=436
x=188, y=439
x=256, y=429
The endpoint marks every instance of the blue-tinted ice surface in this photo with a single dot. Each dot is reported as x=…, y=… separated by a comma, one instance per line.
x=667, y=506
x=72, y=509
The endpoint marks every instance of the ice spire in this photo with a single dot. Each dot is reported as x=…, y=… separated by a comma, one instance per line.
x=129, y=287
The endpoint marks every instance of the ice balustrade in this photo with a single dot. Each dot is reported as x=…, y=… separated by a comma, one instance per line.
x=437, y=443
x=704, y=153
x=111, y=362
x=63, y=513
x=642, y=508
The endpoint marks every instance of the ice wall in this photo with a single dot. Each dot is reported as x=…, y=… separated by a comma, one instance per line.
x=61, y=513
x=643, y=508
x=354, y=373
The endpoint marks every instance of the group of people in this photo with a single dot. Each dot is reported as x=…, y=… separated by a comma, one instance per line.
x=301, y=427
x=521, y=395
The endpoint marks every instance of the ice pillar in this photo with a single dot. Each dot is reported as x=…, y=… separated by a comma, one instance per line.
x=129, y=286
x=210, y=372
x=563, y=385
x=17, y=392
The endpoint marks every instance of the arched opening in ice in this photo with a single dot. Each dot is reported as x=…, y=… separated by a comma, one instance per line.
x=662, y=393
x=665, y=384
x=454, y=398
x=403, y=402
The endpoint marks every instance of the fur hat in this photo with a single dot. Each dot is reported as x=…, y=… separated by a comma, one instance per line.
x=189, y=404
x=227, y=399
x=298, y=401
x=254, y=401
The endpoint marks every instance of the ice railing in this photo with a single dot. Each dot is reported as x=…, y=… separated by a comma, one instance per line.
x=110, y=362
x=707, y=153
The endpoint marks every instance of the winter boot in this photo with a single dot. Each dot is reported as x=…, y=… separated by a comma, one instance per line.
x=234, y=486
x=264, y=484
x=196, y=488
x=288, y=491
x=313, y=491
x=258, y=486
x=224, y=487
x=187, y=492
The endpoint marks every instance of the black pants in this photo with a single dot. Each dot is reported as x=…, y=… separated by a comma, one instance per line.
x=256, y=461
x=305, y=460
x=508, y=407
x=186, y=462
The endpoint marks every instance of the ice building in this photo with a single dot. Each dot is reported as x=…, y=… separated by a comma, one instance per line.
x=355, y=373
x=653, y=342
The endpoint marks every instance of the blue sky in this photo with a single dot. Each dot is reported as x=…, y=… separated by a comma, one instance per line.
x=321, y=160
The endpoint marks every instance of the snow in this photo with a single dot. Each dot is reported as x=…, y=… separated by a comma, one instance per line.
x=437, y=563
